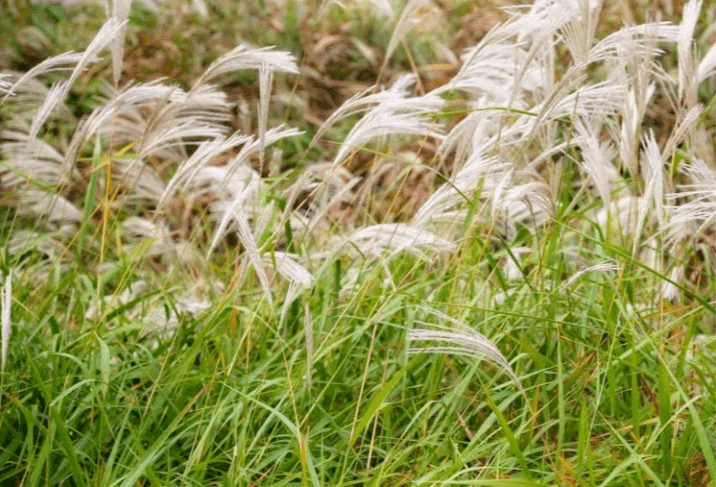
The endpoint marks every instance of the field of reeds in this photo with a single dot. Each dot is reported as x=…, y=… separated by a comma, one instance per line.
x=379, y=243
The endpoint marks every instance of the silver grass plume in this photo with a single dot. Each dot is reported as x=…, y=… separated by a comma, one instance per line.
x=299, y=279
x=374, y=240
x=695, y=217
x=409, y=17
x=109, y=32
x=5, y=318
x=394, y=116
x=245, y=57
x=463, y=341
x=362, y=101
x=687, y=76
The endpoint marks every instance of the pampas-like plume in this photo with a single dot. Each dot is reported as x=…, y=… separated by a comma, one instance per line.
x=686, y=77
x=63, y=61
x=362, y=101
x=119, y=10
x=245, y=57
x=603, y=267
x=51, y=207
x=398, y=237
x=707, y=66
x=5, y=318
x=409, y=17
x=636, y=41
x=265, y=81
x=299, y=279
x=597, y=159
x=691, y=219
x=394, y=116
x=30, y=160
x=5, y=85
x=188, y=170
x=652, y=164
x=465, y=341
x=106, y=35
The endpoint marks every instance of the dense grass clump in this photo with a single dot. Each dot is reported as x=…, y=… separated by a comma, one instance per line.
x=409, y=243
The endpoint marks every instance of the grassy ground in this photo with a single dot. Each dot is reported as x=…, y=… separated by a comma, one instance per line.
x=528, y=300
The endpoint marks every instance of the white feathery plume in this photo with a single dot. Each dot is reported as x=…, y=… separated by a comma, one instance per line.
x=620, y=217
x=158, y=234
x=682, y=130
x=299, y=279
x=632, y=115
x=634, y=41
x=251, y=147
x=375, y=239
x=174, y=116
x=63, y=61
x=579, y=30
x=707, y=66
x=529, y=203
x=207, y=103
x=289, y=269
x=252, y=251
x=5, y=319
x=245, y=57
x=409, y=17
x=187, y=170
x=465, y=341
x=543, y=16
x=670, y=291
x=169, y=136
x=493, y=73
x=478, y=174
x=399, y=116
x=53, y=207
x=597, y=159
x=686, y=69
x=362, y=101
x=470, y=133
x=601, y=99
x=214, y=180
x=228, y=212
x=54, y=97
x=692, y=218
x=327, y=185
x=120, y=11
x=107, y=34
x=652, y=170
x=50, y=245
x=31, y=160
x=5, y=86
x=602, y=267
x=142, y=182
x=265, y=82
